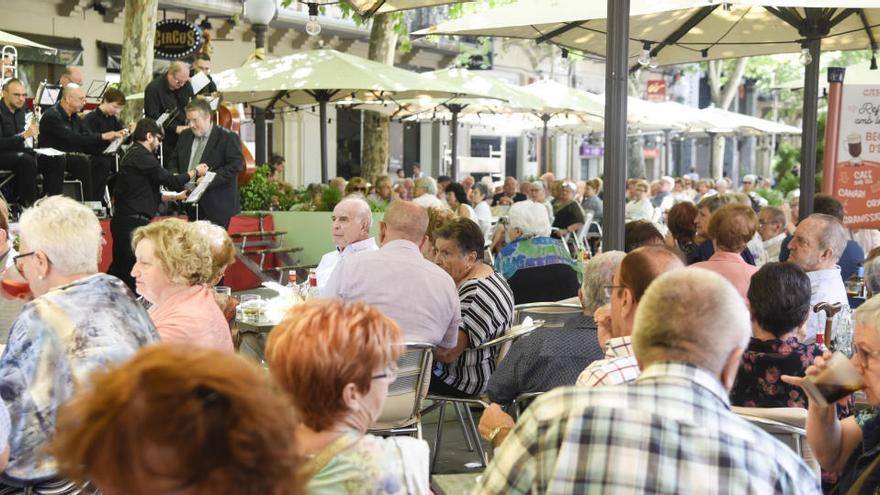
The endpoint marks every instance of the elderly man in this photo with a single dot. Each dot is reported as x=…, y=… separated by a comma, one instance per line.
x=384, y=192
x=71, y=75
x=544, y=360
x=467, y=182
x=771, y=228
x=816, y=246
x=352, y=219
x=872, y=276
x=398, y=280
x=509, y=193
x=61, y=128
x=169, y=92
x=425, y=193
x=664, y=191
x=615, y=320
x=14, y=155
x=670, y=432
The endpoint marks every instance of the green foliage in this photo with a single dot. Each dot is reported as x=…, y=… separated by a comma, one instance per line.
x=330, y=197
x=787, y=157
x=257, y=194
x=773, y=196
x=261, y=194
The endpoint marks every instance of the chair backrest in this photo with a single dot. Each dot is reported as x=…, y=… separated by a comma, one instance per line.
x=406, y=393
x=786, y=424
x=554, y=314
x=544, y=283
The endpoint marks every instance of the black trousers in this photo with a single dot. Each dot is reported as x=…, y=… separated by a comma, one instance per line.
x=121, y=227
x=25, y=165
x=102, y=167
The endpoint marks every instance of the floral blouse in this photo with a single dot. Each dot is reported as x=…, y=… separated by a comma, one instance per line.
x=759, y=383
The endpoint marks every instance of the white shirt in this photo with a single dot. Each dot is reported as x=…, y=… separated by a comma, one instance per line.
x=483, y=216
x=772, y=246
x=429, y=201
x=639, y=210
x=827, y=286
x=329, y=260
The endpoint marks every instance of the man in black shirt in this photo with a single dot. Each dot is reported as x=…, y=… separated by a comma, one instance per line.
x=202, y=64
x=509, y=193
x=104, y=119
x=137, y=193
x=62, y=129
x=15, y=156
x=169, y=91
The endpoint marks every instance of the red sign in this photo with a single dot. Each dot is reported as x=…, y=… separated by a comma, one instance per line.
x=857, y=186
x=657, y=90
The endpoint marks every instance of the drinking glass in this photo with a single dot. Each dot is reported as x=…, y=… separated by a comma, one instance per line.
x=251, y=307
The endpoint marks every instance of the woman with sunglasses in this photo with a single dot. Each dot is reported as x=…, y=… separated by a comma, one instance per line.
x=336, y=361
x=136, y=193
x=79, y=321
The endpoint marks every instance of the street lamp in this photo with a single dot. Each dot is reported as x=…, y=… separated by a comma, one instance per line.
x=259, y=13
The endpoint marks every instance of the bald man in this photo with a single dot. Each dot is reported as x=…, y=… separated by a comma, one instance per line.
x=416, y=293
x=71, y=75
x=61, y=128
x=169, y=92
x=350, y=229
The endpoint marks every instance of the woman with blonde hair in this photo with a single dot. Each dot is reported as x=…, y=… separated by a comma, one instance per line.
x=174, y=265
x=179, y=420
x=336, y=361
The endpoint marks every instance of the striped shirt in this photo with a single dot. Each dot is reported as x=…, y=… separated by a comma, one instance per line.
x=486, y=313
x=619, y=365
x=670, y=432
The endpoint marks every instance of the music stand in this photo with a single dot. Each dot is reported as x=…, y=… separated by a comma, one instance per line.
x=96, y=90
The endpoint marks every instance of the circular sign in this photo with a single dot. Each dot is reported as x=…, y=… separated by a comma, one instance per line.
x=176, y=38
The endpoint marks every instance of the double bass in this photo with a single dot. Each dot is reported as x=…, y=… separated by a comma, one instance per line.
x=229, y=117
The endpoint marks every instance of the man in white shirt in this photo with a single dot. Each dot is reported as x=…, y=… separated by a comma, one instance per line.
x=818, y=242
x=352, y=219
x=771, y=228
x=425, y=193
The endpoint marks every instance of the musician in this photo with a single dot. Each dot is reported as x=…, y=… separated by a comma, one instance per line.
x=137, y=196
x=71, y=75
x=62, y=128
x=15, y=156
x=202, y=64
x=169, y=91
x=220, y=150
x=104, y=119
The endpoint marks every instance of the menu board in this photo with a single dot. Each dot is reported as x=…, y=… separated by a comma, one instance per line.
x=857, y=174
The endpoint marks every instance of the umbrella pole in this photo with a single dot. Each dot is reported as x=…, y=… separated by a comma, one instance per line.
x=545, y=146
x=454, y=170
x=810, y=130
x=322, y=112
x=616, y=48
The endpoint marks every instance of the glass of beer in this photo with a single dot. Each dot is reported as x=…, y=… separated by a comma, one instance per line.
x=838, y=380
x=854, y=146
x=251, y=307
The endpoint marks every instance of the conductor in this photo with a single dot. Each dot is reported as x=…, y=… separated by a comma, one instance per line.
x=137, y=193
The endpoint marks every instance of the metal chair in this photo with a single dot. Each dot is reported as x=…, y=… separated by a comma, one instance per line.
x=786, y=424
x=402, y=413
x=554, y=314
x=518, y=406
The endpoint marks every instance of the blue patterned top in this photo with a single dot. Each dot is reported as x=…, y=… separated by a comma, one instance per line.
x=55, y=343
x=533, y=252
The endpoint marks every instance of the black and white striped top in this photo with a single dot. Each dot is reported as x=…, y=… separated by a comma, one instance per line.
x=486, y=313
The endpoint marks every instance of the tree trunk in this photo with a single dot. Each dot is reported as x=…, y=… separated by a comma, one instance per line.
x=383, y=42
x=139, y=32
x=722, y=97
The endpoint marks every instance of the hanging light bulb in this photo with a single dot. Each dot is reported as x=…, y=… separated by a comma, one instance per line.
x=645, y=56
x=805, y=58
x=313, y=27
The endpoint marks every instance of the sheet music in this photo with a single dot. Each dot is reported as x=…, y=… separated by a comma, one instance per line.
x=165, y=117
x=48, y=94
x=113, y=147
x=196, y=195
x=199, y=81
x=96, y=89
x=48, y=152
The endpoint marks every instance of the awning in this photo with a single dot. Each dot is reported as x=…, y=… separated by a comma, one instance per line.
x=69, y=52
x=113, y=58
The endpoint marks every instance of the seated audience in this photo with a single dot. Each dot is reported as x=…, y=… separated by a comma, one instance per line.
x=425, y=193
x=222, y=257
x=568, y=217
x=670, y=432
x=486, y=311
x=543, y=264
x=731, y=228
x=458, y=201
x=179, y=420
x=640, y=233
x=336, y=361
x=550, y=358
x=538, y=194
x=509, y=193
x=872, y=273
x=276, y=168
x=384, y=193
x=706, y=207
x=482, y=210
x=437, y=217
x=172, y=269
x=849, y=446
x=79, y=321
x=357, y=185
x=779, y=302
x=816, y=246
x=350, y=229
x=592, y=202
x=614, y=321
x=771, y=227
x=640, y=208
x=682, y=234
x=397, y=280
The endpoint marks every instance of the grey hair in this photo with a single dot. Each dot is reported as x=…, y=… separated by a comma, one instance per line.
x=363, y=208
x=833, y=235
x=598, y=273
x=872, y=275
x=428, y=184
x=868, y=314
x=691, y=315
x=539, y=184
x=484, y=190
x=68, y=232
x=530, y=218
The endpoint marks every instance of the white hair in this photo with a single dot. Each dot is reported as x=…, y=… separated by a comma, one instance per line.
x=66, y=231
x=668, y=180
x=364, y=214
x=872, y=275
x=428, y=184
x=692, y=315
x=868, y=314
x=598, y=273
x=530, y=218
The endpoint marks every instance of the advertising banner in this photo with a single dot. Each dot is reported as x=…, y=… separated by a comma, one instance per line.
x=857, y=172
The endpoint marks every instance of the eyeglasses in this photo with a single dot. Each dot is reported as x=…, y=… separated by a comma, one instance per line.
x=16, y=259
x=361, y=189
x=864, y=355
x=768, y=222
x=609, y=288
x=390, y=373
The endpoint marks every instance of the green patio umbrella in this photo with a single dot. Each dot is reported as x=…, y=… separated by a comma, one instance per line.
x=322, y=77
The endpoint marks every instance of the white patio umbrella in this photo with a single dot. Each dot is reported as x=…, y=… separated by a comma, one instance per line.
x=9, y=39
x=369, y=7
